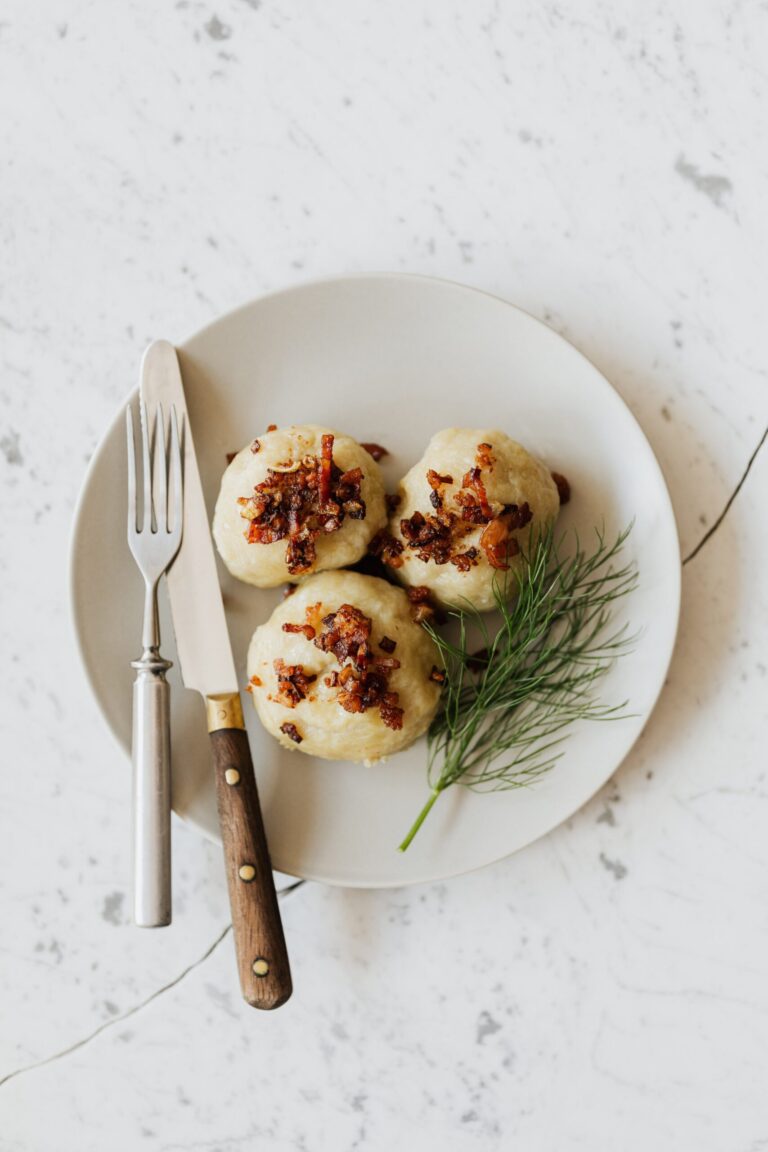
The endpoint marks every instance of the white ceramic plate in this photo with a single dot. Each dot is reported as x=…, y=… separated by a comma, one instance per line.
x=390, y=359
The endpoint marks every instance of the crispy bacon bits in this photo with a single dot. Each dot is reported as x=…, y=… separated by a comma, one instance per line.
x=437, y=674
x=292, y=732
x=436, y=482
x=473, y=498
x=391, y=714
x=439, y=535
x=363, y=681
x=299, y=505
x=421, y=604
x=292, y=683
x=306, y=629
x=430, y=537
x=256, y=446
x=484, y=457
x=563, y=487
x=254, y=682
x=271, y=427
x=387, y=549
x=465, y=560
x=517, y=515
x=392, y=500
x=375, y=450
x=363, y=677
x=495, y=542
x=324, y=469
x=346, y=633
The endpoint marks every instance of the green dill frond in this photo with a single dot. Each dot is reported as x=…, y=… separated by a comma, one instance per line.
x=506, y=709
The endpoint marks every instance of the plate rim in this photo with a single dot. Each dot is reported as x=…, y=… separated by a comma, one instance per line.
x=309, y=285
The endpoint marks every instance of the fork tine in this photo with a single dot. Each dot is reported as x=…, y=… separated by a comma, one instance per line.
x=176, y=474
x=145, y=454
x=160, y=489
x=131, y=471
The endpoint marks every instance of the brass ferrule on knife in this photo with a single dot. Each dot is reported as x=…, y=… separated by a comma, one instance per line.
x=224, y=710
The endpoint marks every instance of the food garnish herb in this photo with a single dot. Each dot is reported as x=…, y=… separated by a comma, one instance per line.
x=507, y=707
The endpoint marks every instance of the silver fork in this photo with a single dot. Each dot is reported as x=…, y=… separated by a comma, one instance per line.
x=154, y=543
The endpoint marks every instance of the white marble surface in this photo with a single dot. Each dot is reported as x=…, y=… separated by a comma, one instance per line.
x=601, y=164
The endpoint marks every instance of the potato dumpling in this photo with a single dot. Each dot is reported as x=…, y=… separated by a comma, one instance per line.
x=342, y=671
x=466, y=510
x=297, y=500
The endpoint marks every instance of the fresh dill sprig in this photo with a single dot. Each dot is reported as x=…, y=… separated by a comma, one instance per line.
x=505, y=709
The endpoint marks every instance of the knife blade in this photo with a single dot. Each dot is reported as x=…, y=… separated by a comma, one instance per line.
x=207, y=665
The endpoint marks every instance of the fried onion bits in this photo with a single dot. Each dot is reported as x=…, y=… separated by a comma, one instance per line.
x=341, y=670
x=296, y=501
x=466, y=512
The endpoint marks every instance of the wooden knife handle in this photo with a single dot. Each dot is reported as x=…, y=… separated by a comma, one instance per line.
x=262, y=957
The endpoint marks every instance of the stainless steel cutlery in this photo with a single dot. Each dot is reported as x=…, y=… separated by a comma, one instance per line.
x=207, y=665
x=155, y=525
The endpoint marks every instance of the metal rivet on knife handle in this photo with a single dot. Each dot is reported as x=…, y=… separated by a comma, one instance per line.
x=260, y=966
x=246, y=872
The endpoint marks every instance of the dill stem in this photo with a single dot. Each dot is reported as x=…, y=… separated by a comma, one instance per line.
x=420, y=819
x=503, y=722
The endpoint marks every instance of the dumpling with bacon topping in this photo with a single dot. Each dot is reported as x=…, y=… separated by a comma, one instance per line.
x=297, y=500
x=465, y=513
x=341, y=670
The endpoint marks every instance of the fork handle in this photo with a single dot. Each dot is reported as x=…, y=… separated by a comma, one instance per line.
x=151, y=792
